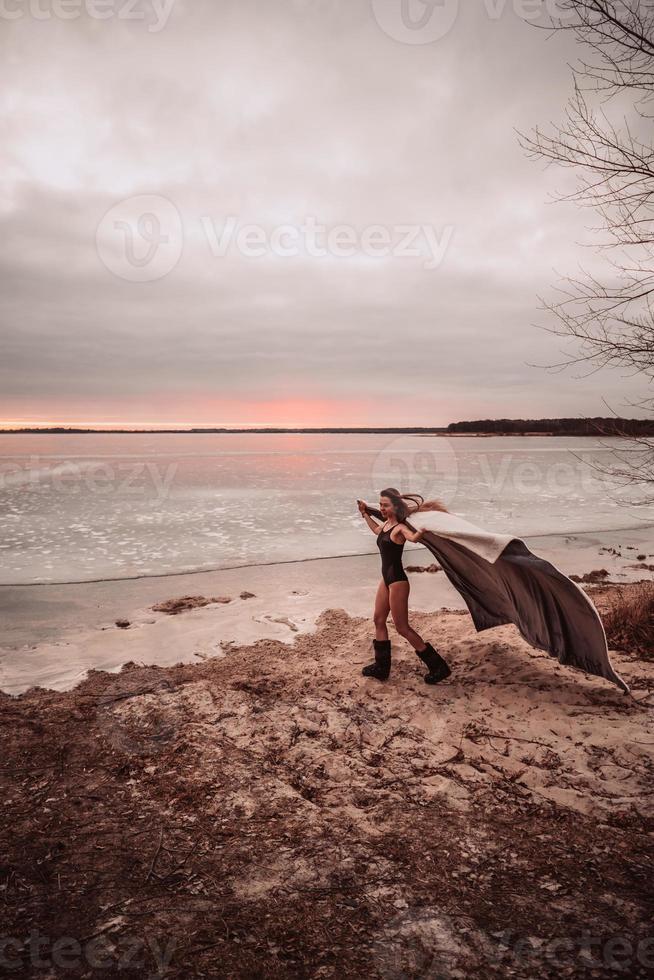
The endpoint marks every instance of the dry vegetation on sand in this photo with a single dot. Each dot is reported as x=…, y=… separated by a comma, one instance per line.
x=275, y=814
x=629, y=619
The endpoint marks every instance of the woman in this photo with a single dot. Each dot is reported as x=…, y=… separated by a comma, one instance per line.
x=500, y=580
x=393, y=589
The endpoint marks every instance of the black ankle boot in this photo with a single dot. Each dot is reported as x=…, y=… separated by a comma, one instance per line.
x=382, y=665
x=438, y=668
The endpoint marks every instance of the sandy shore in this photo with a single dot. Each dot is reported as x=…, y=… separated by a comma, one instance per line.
x=53, y=634
x=223, y=793
x=272, y=813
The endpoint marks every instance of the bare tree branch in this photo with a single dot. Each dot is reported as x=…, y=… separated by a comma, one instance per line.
x=610, y=322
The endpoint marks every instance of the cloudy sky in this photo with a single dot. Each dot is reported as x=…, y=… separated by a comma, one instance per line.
x=296, y=212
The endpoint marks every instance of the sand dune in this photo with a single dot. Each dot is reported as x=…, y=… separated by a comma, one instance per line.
x=278, y=814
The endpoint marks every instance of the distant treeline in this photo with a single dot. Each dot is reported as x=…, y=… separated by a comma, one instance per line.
x=567, y=427
x=564, y=427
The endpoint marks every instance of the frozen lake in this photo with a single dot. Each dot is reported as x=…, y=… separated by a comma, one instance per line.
x=88, y=507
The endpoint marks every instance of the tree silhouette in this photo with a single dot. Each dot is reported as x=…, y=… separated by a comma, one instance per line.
x=610, y=319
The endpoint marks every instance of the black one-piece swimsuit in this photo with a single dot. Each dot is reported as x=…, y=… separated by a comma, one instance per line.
x=391, y=556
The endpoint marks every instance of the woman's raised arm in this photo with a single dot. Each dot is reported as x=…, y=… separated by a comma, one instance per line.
x=411, y=535
x=363, y=510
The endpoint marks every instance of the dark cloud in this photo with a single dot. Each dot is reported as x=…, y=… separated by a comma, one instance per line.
x=272, y=112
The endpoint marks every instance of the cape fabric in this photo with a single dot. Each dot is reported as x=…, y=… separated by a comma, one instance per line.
x=502, y=582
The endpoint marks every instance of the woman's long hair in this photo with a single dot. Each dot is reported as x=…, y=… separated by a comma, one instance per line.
x=406, y=504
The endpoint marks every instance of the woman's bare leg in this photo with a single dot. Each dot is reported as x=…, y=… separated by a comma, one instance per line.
x=399, y=603
x=382, y=609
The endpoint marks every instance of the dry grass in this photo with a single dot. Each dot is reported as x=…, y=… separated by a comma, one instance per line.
x=629, y=622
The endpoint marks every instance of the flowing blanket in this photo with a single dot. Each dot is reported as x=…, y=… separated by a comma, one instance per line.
x=502, y=582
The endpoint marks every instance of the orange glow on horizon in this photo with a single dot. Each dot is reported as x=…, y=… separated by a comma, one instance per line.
x=209, y=413
x=171, y=411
